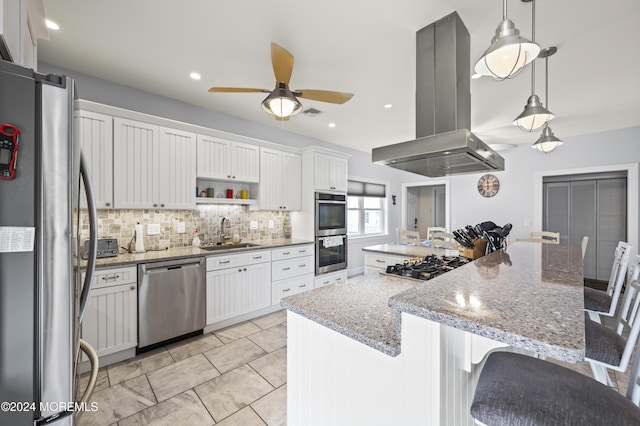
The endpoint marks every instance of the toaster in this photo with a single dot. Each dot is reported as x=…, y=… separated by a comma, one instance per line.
x=107, y=247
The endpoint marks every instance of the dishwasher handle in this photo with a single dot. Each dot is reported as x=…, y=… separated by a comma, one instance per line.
x=150, y=269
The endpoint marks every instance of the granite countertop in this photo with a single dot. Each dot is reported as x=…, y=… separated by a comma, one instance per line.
x=530, y=296
x=185, y=252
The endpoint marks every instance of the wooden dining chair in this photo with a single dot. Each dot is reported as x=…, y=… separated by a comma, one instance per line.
x=443, y=240
x=542, y=237
x=432, y=229
x=411, y=237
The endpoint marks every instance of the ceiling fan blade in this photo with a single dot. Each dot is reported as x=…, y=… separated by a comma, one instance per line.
x=237, y=90
x=324, y=95
x=282, y=62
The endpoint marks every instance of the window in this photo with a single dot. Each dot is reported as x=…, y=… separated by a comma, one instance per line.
x=366, y=208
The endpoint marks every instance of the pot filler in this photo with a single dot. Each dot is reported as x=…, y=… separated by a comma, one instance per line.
x=443, y=146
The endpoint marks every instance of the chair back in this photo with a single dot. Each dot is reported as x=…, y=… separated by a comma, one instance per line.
x=443, y=240
x=628, y=319
x=432, y=229
x=404, y=236
x=585, y=242
x=618, y=270
x=543, y=237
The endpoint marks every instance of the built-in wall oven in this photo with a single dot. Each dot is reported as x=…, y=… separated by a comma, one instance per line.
x=330, y=232
x=331, y=253
x=331, y=214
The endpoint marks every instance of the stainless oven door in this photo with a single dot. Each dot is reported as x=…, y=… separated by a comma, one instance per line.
x=331, y=253
x=331, y=218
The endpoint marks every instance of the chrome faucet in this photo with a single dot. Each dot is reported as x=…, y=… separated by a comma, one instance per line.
x=223, y=237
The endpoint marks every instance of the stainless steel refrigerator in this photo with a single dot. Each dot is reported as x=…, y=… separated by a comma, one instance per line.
x=42, y=297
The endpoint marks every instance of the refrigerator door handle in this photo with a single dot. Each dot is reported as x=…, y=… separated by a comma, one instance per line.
x=93, y=236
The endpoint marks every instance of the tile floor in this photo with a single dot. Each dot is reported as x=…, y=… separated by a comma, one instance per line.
x=236, y=376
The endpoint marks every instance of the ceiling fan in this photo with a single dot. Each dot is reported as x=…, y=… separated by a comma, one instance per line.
x=283, y=102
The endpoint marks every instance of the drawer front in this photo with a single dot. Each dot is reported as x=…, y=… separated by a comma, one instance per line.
x=284, y=269
x=290, y=287
x=231, y=260
x=114, y=276
x=292, y=251
x=331, y=278
x=381, y=261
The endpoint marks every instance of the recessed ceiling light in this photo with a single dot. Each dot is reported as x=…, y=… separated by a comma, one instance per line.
x=387, y=106
x=332, y=124
x=195, y=76
x=52, y=25
x=476, y=76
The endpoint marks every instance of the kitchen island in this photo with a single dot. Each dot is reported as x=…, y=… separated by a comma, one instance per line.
x=379, y=350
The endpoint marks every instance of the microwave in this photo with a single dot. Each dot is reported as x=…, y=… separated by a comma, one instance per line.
x=330, y=214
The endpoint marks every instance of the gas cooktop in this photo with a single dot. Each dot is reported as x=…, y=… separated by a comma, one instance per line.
x=425, y=268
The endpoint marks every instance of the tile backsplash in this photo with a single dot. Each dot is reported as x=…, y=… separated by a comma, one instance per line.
x=120, y=224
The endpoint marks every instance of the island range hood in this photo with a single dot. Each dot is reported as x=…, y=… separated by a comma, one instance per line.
x=443, y=146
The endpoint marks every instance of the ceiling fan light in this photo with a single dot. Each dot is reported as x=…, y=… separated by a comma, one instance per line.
x=534, y=116
x=508, y=53
x=281, y=102
x=547, y=141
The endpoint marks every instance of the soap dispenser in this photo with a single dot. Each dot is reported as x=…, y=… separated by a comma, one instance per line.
x=196, y=238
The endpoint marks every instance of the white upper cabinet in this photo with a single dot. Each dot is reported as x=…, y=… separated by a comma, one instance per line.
x=227, y=160
x=22, y=23
x=94, y=132
x=135, y=154
x=280, y=180
x=177, y=169
x=330, y=173
x=154, y=166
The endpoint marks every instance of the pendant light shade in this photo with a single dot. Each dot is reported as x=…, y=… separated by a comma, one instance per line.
x=547, y=141
x=508, y=53
x=535, y=115
x=281, y=102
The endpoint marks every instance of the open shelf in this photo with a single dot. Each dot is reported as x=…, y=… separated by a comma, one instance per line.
x=204, y=200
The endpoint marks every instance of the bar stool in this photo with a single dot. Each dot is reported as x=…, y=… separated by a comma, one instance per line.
x=443, y=240
x=598, y=302
x=606, y=348
x=542, y=237
x=519, y=390
x=432, y=229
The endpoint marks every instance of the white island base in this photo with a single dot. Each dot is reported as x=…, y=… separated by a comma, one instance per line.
x=333, y=380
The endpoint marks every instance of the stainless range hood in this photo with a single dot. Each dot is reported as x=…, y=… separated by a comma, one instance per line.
x=444, y=146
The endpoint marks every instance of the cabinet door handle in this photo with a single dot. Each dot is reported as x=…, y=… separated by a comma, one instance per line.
x=233, y=177
x=228, y=176
x=286, y=269
x=108, y=204
x=285, y=290
x=224, y=262
x=326, y=282
x=379, y=261
x=239, y=269
x=302, y=286
x=302, y=266
x=133, y=287
x=285, y=253
x=161, y=205
x=257, y=257
x=155, y=205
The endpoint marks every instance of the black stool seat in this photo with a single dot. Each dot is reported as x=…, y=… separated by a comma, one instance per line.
x=596, y=300
x=603, y=344
x=518, y=390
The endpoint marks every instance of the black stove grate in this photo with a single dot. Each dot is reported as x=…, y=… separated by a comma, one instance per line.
x=426, y=268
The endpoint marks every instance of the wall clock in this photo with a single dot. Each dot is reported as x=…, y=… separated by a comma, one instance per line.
x=488, y=185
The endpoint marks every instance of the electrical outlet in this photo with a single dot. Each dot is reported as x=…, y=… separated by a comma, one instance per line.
x=271, y=224
x=153, y=229
x=181, y=228
x=253, y=225
x=527, y=223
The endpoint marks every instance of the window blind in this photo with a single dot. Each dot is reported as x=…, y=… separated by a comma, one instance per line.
x=366, y=189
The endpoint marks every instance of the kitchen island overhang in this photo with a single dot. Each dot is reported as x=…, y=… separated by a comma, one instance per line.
x=342, y=345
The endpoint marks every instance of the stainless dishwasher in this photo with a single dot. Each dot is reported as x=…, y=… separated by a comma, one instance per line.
x=171, y=299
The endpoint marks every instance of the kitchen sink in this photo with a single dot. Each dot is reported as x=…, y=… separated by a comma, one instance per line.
x=221, y=247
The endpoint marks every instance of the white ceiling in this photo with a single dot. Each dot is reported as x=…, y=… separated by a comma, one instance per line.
x=366, y=47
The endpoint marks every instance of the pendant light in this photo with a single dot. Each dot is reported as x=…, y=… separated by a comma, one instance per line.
x=547, y=141
x=535, y=115
x=508, y=53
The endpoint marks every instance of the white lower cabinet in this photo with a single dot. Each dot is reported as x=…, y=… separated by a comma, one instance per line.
x=292, y=271
x=330, y=278
x=110, y=322
x=377, y=261
x=237, y=284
